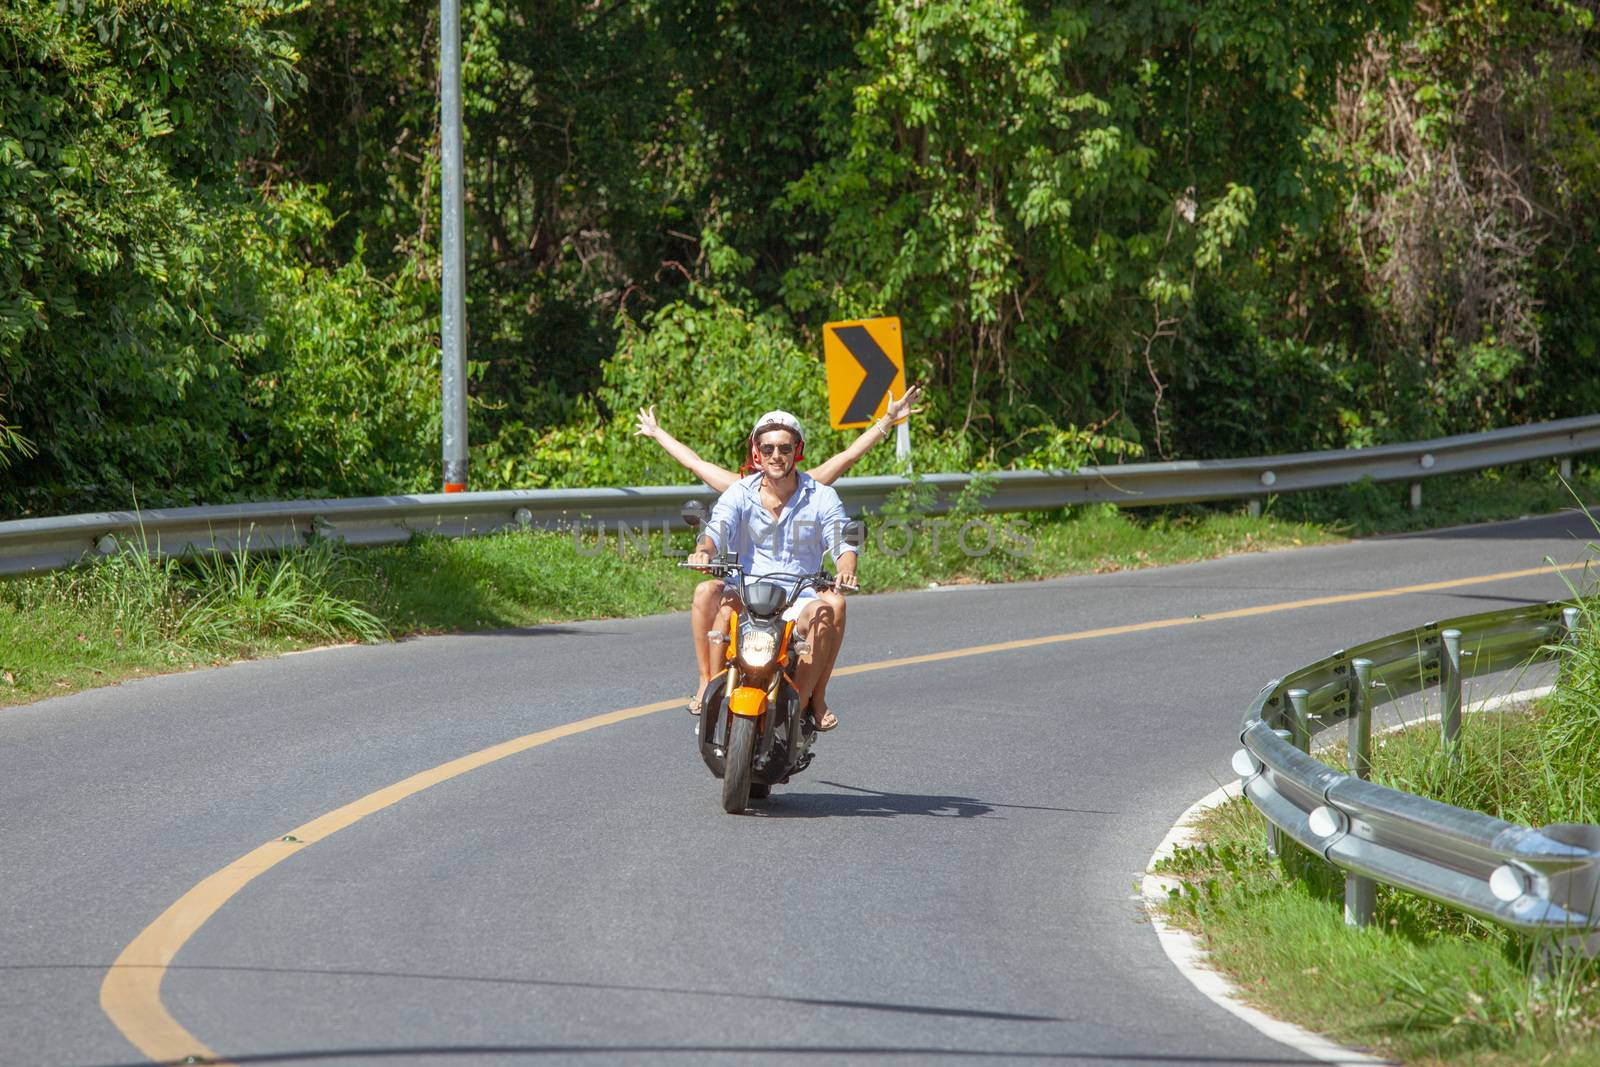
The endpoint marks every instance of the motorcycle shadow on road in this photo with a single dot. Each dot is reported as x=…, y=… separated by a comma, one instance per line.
x=874, y=804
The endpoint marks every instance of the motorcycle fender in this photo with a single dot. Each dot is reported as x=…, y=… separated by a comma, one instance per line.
x=748, y=701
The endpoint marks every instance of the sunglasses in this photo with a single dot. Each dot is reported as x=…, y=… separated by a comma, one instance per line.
x=783, y=449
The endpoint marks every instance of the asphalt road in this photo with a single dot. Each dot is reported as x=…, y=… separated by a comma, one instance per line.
x=952, y=880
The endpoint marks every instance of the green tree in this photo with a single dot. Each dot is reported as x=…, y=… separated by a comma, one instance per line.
x=163, y=335
x=1039, y=189
x=120, y=125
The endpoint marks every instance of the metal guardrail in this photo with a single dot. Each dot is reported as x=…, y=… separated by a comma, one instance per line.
x=43, y=544
x=1545, y=879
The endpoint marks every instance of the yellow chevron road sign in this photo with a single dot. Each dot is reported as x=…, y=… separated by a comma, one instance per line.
x=865, y=367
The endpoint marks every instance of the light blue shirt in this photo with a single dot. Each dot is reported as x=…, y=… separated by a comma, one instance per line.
x=812, y=521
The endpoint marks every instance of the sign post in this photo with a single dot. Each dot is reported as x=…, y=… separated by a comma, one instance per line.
x=866, y=367
x=453, y=317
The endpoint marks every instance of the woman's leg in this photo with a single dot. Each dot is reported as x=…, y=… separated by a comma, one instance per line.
x=702, y=616
x=821, y=621
x=819, y=695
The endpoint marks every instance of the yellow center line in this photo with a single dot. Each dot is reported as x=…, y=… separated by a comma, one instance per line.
x=1215, y=616
x=131, y=992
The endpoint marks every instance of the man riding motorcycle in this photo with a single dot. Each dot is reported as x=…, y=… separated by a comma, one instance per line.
x=779, y=520
x=708, y=594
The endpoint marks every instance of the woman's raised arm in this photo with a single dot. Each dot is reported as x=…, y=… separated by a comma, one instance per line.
x=713, y=475
x=899, y=411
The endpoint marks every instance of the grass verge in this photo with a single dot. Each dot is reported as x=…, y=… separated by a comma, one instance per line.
x=1425, y=984
x=127, y=616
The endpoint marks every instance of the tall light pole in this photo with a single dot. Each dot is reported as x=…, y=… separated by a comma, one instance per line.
x=453, y=321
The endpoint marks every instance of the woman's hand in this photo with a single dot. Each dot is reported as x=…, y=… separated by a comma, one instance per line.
x=647, y=423
x=900, y=410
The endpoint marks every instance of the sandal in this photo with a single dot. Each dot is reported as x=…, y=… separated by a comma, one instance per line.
x=698, y=703
x=828, y=721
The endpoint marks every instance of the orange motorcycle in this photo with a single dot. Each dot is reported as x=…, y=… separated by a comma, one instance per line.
x=753, y=733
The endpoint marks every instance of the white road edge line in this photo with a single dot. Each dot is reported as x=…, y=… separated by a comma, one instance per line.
x=1184, y=949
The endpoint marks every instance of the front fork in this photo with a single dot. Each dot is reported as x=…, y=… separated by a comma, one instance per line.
x=750, y=702
x=760, y=705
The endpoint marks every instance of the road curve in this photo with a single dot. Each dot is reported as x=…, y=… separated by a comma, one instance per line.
x=953, y=880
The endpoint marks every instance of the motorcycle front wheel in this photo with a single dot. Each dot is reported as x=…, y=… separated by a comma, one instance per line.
x=736, y=766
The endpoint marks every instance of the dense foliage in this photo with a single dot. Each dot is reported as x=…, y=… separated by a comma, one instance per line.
x=1182, y=227
x=163, y=333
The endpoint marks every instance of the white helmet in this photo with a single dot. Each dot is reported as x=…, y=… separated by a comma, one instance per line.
x=779, y=420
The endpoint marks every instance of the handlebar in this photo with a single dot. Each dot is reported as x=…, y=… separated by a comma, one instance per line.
x=723, y=568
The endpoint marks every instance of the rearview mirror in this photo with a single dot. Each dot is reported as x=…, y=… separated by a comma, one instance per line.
x=855, y=533
x=694, y=514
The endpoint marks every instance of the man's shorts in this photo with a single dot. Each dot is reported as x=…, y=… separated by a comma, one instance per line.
x=792, y=612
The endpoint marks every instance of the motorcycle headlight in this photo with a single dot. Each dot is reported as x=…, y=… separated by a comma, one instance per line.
x=756, y=648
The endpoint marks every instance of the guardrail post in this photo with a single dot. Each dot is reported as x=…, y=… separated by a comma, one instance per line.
x=1578, y=890
x=1300, y=718
x=1360, y=894
x=1416, y=496
x=1297, y=860
x=1360, y=726
x=1566, y=468
x=1275, y=841
x=1570, y=619
x=1450, y=687
x=1255, y=507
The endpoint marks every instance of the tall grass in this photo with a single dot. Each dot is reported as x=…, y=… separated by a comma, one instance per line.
x=215, y=604
x=236, y=600
x=132, y=613
x=1572, y=734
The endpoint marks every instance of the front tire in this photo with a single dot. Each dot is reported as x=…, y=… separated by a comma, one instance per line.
x=736, y=765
